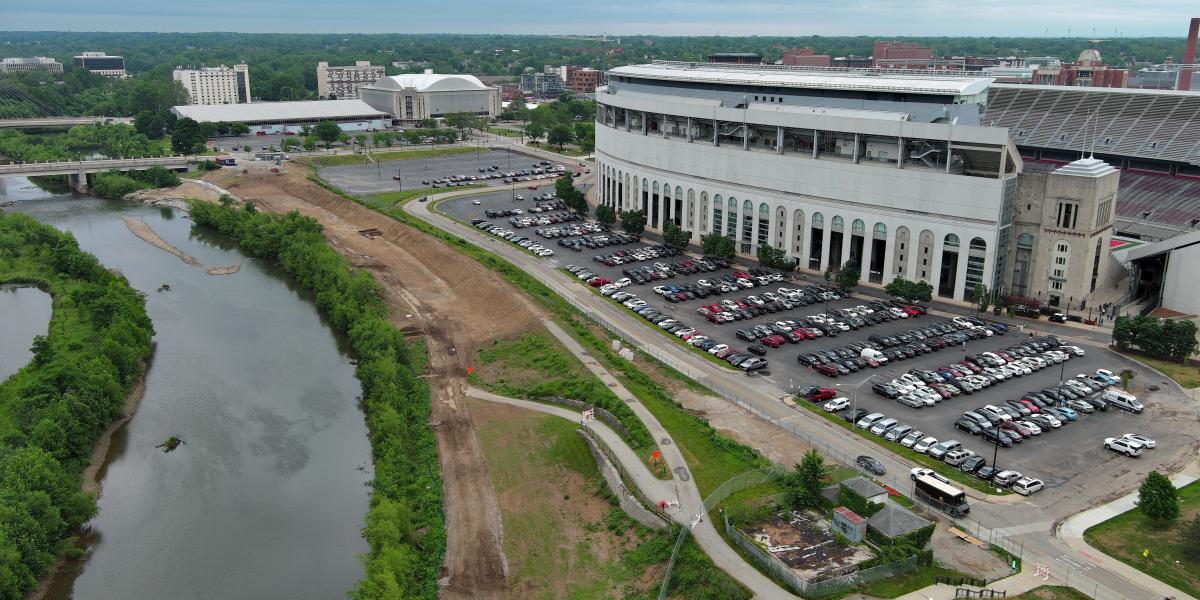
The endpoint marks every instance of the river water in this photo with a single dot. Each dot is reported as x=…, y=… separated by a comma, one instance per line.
x=267, y=495
x=24, y=314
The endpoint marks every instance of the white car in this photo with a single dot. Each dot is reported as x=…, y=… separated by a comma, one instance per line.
x=836, y=404
x=1127, y=447
x=911, y=438
x=718, y=348
x=924, y=445
x=1031, y=426
x=1142, y=440
x=1076, y=350
x=622, y=282
x=1027, y=485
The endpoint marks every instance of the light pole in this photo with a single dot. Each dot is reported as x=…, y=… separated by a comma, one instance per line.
x=855, y=388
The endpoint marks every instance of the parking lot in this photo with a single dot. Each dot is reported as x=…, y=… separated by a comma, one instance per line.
x=417, y=173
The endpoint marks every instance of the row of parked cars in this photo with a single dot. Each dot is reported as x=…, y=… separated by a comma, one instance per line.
x=521, y=222
x=509, y=235
x=596, y=240
x=632, y=255
x=571, y=230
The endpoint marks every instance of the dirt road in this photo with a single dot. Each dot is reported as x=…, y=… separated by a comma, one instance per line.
x=458, y=304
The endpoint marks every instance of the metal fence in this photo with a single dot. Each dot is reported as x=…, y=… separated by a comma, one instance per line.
x=994, y=537
x=625, y=477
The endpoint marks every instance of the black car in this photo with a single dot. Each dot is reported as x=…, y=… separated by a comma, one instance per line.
x=968, y=426
x=870, y=464
x=852, y=416
x=992, y=436
x=972, y=464
x=756, y=350
x=986, y=472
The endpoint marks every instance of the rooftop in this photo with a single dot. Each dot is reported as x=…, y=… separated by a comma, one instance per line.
x=431, y=82
x=894, y=521
x=277, y=111
x=864, y=487
x=807, y=77
x=1086, y=167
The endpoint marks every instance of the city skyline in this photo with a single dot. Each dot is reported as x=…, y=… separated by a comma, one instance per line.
x=1022, y=18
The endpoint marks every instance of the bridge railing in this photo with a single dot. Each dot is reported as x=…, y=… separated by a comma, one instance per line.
x=88, y=165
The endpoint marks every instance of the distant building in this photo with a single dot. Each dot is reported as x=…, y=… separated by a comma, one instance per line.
x=581, y=79
x=542, y=85
x=853, y=62
x=102, y=64
x=25, y=65
x=735, y=58
x=1088, y=71
x=1007, y=74
x=342, y=82
x=215, y=85
x=805, y=57
x=414, y=97
x=902, y=55
x=278, y=117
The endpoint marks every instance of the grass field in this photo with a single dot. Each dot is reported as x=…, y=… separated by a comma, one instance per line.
x=1187, y=375
x=359, y=159
x=894, y=587
x=940, y=467
x=1126, y=536
x=504, y=131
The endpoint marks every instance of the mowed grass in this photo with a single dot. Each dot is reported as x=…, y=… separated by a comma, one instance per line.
x=388, y=200
x=359, y=159
x=504, y=131
x=1186, y=375
x=894, y=587
x=1126, y=536
x=912, y=455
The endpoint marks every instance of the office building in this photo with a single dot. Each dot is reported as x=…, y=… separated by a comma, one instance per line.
x=215, y=85
x=542, y=85
x=735, y=58
x=343, y=82
x=581, y=80
x=805, y=57
x=899, y=174
x=902, y=55
x=102, y=64
x=26, y=65
x=280, y=117
x=412, y=98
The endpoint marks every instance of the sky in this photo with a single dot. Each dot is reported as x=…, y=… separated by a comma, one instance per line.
x=1095, y=18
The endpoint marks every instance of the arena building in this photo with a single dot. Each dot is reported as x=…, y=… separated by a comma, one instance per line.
x=412, y=98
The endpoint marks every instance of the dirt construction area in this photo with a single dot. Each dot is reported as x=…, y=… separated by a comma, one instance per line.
x=457, y=304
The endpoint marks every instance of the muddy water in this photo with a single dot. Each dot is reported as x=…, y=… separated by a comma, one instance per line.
x=266, y=497
x=24, y=314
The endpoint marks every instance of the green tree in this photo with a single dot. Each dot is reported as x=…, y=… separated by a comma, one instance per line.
x=559, y=136
x=606, y=215
x=186, y=138
x=983, y=297
x=289, y=144
x=309, y=143
x=239, y=128
x=633, y=221
x=428, y=123
x=327, y=131
x=774, y=258
x=717, y=246
x=361, y=140
x=1158, y=500
x=150, y=124
x=564, y=188
x=1189, y=540
x=847, y=277
x=913, y=291
x=675, y=237
x=802, y=487
x=534, y=131
x=585, y=136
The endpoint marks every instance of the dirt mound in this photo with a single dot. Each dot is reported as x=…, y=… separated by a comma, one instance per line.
x=458, y=304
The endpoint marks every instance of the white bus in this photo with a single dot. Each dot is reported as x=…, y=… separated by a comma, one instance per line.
x=936, y=491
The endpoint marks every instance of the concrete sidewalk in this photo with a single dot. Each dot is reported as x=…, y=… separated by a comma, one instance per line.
x=1071, y=532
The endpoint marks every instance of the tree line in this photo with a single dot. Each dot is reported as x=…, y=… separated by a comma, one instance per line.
x=1170, y=339
x=52, y=410
x=404, y=526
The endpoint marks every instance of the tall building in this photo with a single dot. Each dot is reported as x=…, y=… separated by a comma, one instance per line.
x=805, y=57
x=343, y=82
x=102, y=64
x=581, y=79
x=902, y=55
x=25, y=65
x=542, y=85
x=412, y=98
x=215, y=85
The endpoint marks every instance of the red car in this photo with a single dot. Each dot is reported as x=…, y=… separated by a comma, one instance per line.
x=969, y=366
x=531, y=187
x=772, y=341
x=598, y=281
x=817, y=394
x=826, y=370
x=802, y=334
x=910, y=311
x=1033, y=408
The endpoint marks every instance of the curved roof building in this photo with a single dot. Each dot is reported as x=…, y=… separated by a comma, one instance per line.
x=418, y=96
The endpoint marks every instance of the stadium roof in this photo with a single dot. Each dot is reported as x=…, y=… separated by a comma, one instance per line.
x=275, y=112
x=802, y=77
x=1136, y=123
x=431, y=82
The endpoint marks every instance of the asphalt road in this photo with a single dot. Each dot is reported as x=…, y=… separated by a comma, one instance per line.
x=420, y=172
x=1025, y=522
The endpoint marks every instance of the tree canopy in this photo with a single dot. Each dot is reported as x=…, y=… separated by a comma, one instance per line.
x=802, y=487
x=1158, y=500
x=717, y=246
x=633, y=221
x=675, y=237
x=1172, y=339
x=913, y=291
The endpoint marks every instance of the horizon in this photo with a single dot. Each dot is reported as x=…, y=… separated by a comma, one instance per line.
x=1103, y=19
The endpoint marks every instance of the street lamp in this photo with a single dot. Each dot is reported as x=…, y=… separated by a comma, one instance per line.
x=855, y=388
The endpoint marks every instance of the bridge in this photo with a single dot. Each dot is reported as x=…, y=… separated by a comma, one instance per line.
x=78, y=169
x=58, y=122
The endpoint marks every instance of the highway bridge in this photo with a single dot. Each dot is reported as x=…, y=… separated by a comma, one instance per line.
x=78, y=169
x=58, y=122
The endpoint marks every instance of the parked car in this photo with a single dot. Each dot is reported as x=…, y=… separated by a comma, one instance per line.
x=1027, y=485
x=924, y=444
x=1121, y=445
x=1142, y=440
x=1006, y=478
x=836, y=404
x=870, y=465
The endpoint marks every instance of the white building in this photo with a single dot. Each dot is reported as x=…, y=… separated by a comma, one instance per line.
x=102, y=63
x=215, y=85
x=411, y=98
x=26, y=65
x=343, y=82
x=892, y=172
x=280, y=117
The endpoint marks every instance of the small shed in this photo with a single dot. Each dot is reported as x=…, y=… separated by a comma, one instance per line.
x=893, y=521
x=849, y=524
x=866, y=488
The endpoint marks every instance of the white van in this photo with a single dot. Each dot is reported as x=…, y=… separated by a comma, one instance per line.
x=874, y=355
x=1122, y=400
x=1027, y=485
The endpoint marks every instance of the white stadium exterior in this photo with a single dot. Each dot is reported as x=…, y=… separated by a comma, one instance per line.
x=892, y=171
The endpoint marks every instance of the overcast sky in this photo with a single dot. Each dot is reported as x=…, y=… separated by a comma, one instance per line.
x=614, y=17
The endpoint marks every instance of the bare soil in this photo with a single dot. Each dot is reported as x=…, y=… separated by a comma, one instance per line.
x=458, y=304
x=143, y=231
x=965, y=557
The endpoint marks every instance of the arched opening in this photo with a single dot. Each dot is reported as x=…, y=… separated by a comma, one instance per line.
x=654, y=200
x=731, y=219
x=703, y=212
x=763, y=236
x=925, y=257
x=798, y=227
x=816, y=248
x=901, y=249
x=718, y=213
x=1022, y=259
x=837, y=227
x=878, y=248
x=747, y=226
x=857, y=241
x=948, y=277
x=976, y=264
x=677, y=209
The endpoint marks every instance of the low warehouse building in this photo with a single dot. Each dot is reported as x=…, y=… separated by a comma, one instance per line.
x=280, y=117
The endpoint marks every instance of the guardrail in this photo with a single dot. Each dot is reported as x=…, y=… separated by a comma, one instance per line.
x=90, y=165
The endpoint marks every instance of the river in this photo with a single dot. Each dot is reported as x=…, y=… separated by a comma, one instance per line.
x=24, y=314
x=267, y=495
